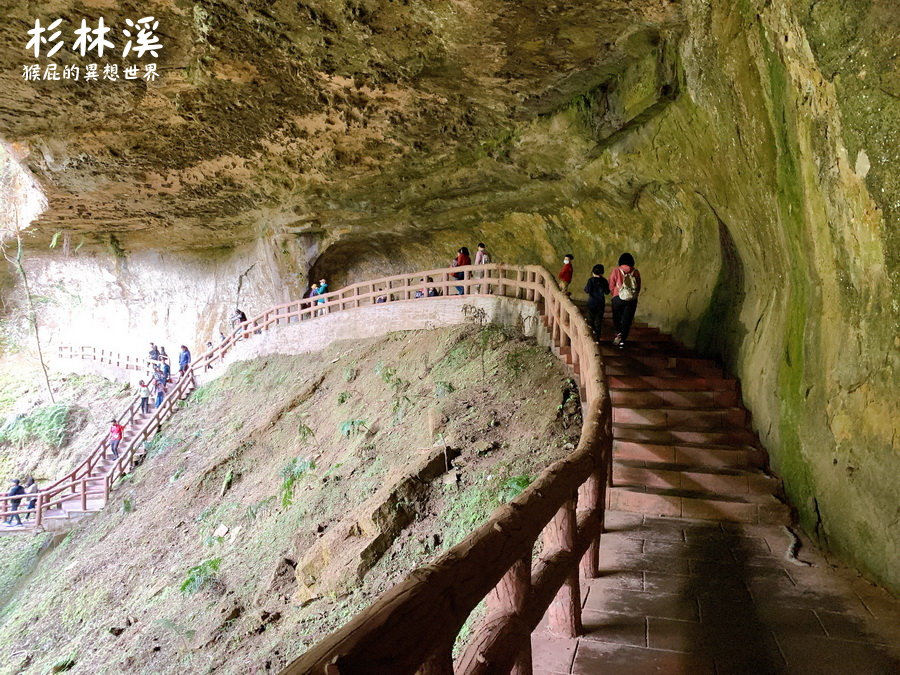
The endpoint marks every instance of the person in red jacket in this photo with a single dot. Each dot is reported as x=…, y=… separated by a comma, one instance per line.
x=624, y=286
x=116, y=431
x=462, y=259
x=566, y=273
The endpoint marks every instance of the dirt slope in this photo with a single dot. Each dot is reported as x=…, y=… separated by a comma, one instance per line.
x=192, y=564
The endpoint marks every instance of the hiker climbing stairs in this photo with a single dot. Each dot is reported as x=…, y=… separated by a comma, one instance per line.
x=683, y=445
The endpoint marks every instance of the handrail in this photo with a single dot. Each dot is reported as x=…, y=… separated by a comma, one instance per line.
x=412, y=627
x=87, y=352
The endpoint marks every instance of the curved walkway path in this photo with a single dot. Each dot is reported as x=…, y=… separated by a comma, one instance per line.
x=697, y=572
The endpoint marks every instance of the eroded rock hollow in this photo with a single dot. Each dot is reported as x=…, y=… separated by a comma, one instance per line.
x=745, y=152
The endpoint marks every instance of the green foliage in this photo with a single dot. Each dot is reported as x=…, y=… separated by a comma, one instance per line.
x=442, y=389
x=353, y=428
x=343, y=397
x=515, y=363
x=512, y=487
x=46, y=424
x=127, y=505
x=160, y=444
x=400, y=405
x=200, y=575
x=64, y=664
x=349, y=374
x=255, y=509
x=183, y=633
x=179, y=472
x=115, y=248
x=290, y=474
x=199, y=395
x=305, y=432
x=467, y=509
x=386, y=373
x=55, y=240
x=227, y=482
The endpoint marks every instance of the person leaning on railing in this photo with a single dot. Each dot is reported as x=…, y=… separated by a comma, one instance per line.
x=238, y=318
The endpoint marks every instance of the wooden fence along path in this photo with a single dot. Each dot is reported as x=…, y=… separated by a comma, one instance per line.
x=412, y=627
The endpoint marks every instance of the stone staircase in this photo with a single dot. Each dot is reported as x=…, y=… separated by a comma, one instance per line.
x=683, y=445
x=88, y=494
x=74, y=508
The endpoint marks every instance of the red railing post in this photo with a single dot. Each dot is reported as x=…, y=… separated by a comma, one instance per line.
x=510, y=597
x=564, y=613
x=39, y=510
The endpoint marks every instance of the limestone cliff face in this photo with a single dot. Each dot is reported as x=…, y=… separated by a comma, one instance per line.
x=746, y=152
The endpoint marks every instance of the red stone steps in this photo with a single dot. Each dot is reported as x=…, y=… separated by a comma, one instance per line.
x=761, y=509
x=668, y=397
x=721, y=481
x=630, y=358
x=680, y=436
x=683, y=446
x=686, y=455
x=679, y=372
x=671, y=417
x=653, y=382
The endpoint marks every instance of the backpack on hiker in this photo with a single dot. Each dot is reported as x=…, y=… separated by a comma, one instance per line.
x=629, y=286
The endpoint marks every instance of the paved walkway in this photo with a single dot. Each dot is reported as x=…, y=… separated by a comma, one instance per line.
x=699, y=596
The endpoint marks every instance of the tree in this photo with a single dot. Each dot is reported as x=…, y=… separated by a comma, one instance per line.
x=11, y=191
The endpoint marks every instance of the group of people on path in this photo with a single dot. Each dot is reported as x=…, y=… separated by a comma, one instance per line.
x=315, y=294
x=161, y=375
x=482, y=257
x=624, y=286
x=18, y=493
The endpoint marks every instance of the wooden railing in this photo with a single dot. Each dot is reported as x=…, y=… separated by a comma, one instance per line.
x=123, y=361
x=412, y=627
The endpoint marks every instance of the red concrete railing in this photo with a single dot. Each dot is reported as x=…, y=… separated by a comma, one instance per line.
x=412, y=627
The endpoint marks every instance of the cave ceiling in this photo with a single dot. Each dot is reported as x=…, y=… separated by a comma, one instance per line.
x=294, y=117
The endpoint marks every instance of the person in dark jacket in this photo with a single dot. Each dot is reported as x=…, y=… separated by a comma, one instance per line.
x=16, y=491
x=184, y=360
x=597, y=288
x=625, y=286
x=238, y=317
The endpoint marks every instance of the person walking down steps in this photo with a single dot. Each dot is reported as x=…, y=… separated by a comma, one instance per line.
x=160, y=388
x=184, y=360
x=16, y=491
x=566, y=273
x=116, y=431
x=625, y=287
x=144, y=393
x=597, y=288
